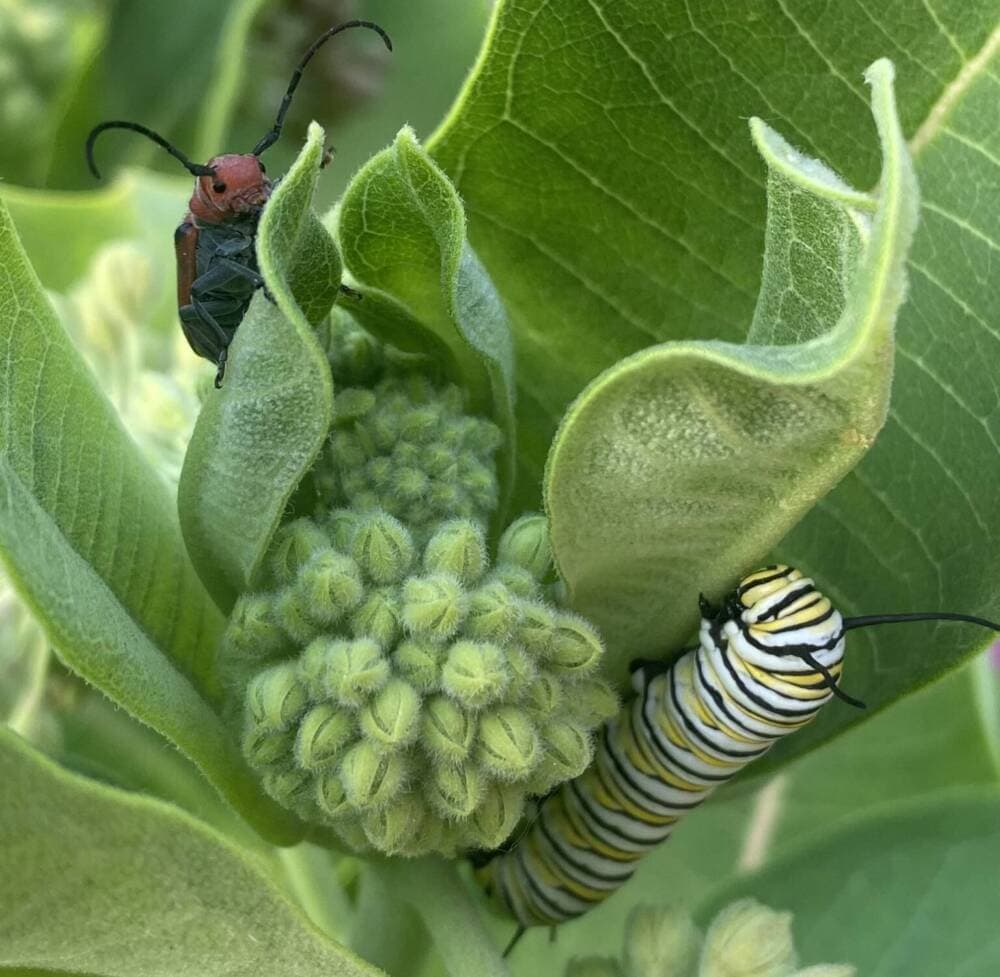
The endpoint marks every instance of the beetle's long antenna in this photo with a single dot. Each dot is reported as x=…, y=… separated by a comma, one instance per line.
x=195, y=169
x=866, y=622
x=272, y=136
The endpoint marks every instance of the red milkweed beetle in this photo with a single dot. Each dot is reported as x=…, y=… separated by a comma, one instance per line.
x=217, y=272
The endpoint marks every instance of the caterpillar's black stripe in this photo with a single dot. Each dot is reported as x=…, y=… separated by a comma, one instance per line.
x=692, y=726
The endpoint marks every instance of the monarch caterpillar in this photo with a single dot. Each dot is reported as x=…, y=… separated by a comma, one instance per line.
x=767, y=661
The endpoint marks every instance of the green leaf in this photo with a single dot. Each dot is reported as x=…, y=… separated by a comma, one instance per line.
x=402, y=230
x=680, y=467
x=89, y=536
x=257, y=437
x=905, y=893
x=126, y=886
x=616, y=201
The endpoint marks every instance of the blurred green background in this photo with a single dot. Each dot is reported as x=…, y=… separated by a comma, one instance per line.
x=67, y=64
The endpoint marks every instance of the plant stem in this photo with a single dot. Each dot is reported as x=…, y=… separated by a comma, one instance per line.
x=313, y=880
x=387, y=932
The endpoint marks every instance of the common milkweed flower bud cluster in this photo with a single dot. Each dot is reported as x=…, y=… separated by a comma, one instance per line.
x=394, y=682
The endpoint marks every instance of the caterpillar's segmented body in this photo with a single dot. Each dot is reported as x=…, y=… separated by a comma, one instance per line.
x=765, y=665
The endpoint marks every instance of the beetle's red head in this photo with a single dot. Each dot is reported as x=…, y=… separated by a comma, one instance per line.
x=236, y=187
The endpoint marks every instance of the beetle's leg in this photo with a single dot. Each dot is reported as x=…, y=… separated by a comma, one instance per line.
x=210, y=321
x=221, y=366
x=235, y=269
x=350, y=292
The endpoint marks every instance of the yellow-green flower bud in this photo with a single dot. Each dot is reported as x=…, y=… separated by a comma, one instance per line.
x=264, y=748
x=517, y=580
x=330, y=796
x=661, y=943
x=457, y=548
x=544, y=695
x=293, y=545
x=290, y=612
x=537, y=628
x=275, y=697
x=391, y=719
x=438, y=460
x=342, y=525
x=568, y=749
x=526, y=544
x=494, y=612
x=324, y=733
x=419, y=662
x=348, y=451
x=590, y=701
x=380, y=471
x=378, y=617
x=447, y=730
x=420, y=424
x=434, y=606
x=575, y=646
x=749, y=940
x=475, y=673
x=352, y=403
x=329, y=586
x=313, y=663
x=289, y=787
x=384, y=424
x=445, y=497
x=497, y=814
x=593, y=967
x=356, y=671
x=508, y=743
x=455, y=791
x=383, y=548
x=395, y=828
x=408, y=485
x=252, y=633
x=481, y=485
x=372, y=777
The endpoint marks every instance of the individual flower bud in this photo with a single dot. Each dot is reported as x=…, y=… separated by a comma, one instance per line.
x=480, y=484
x=457, y=548
x=747, y=939
x=523, y=672
x=352, y=403
x=661, y=943
x=575, y=646
x=568, y=748
x=508, y=743
x=409, y=484
x=407, y=455
x=293, y=545
x=342, y=525
x=434, y=606
x=313, y=664
x=517, y=580
x=324, y=733
x=420, y=424
x=264, y=748
x=475, y=673
x=447, y=730
x=497, y=814
x=330, y=796
x=445, y=497
x=391, y=718
x=525, y=544
x=289, y=787
x=493, y=613
x=252, y=633
x=356, y=670
x=419, y=662
x=537, y=628
x=329, y=586
x=348, y=452
x=290, y=612
x=455, y=791
x=393, y=829
x=383, y=548
x=275, y=697
x=372, y=777
x=544, y=695
x=353, y=483
x=378, y=617
x=384, y=424
x=590, y=701
x=380, y=472
x=593, y=967
x=438, y=460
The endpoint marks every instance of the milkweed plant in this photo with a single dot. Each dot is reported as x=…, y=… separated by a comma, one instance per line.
x=669, y=292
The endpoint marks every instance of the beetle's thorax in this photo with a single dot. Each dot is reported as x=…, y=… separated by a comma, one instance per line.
x=237, y=188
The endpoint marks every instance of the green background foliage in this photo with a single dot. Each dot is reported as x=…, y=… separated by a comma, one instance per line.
x=615, y=199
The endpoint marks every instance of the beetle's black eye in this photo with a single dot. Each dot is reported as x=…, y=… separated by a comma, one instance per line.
x=219, y=186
